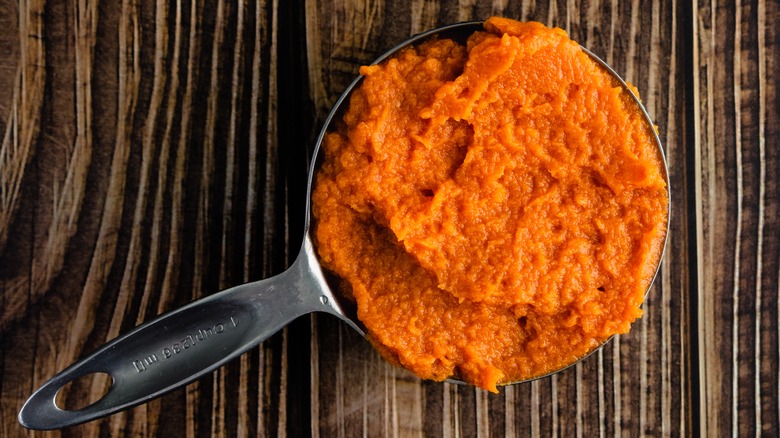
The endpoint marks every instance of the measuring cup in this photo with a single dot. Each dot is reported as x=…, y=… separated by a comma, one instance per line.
x=183, y=345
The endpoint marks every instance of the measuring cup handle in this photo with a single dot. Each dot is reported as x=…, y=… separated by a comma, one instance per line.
x=181, y=346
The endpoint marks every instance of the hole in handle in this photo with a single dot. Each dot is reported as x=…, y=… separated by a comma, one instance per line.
x=83, y=391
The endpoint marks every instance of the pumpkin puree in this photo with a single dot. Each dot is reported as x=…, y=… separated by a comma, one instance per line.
x=497, y=210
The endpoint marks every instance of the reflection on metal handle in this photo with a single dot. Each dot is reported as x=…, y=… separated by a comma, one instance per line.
x=183, y=345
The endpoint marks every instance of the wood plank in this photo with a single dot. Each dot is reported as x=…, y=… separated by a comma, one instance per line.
x=128, y=248
x=736, y=191
x=633, y=374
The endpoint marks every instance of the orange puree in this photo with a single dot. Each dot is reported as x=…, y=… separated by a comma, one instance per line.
x=496, y=210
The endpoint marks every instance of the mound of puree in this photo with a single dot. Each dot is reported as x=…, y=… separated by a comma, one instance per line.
x=497, y=210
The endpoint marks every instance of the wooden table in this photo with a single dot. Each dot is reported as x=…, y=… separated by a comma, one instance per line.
x=157, y=153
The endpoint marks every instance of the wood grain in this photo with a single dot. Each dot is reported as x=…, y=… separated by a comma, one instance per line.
x=157, y=152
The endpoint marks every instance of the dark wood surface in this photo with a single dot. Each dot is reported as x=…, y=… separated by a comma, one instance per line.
x=154, y=153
